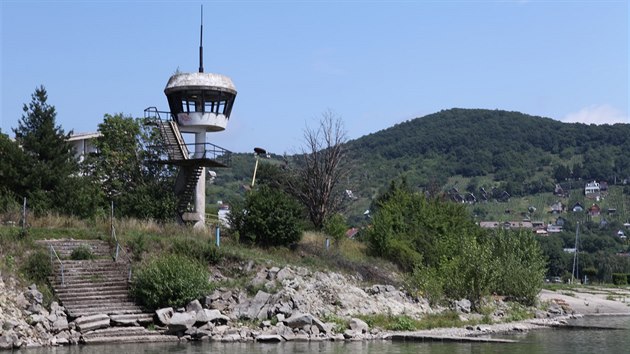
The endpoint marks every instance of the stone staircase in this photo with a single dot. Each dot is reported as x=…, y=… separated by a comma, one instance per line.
x=96, y=293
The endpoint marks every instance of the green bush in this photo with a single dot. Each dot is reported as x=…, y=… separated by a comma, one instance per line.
x=171, y=280
x=619, y=278
x=268, y=217
x=37, y=267
x=83, y=252
x=336, y=227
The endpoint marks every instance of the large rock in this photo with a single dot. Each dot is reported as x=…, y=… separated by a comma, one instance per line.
x=299, y=320
x=214, y=316
x=8, y=339
x=164, y=315
x=252, y=309
x=358, y=325
x=463, y=306
x=33, y=295
x=285, y=273
x=194, y=306
x=90, y=323
x=181, y=321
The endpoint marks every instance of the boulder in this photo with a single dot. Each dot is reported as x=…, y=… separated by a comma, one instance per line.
x=252, y=310
x=463, y=306
x=33, y=295
x=194, y=306
x=285, y=273
x=164, y=315
x=299, y=320
x=214, y=316
x=358, y=325
x=8, y=339
x=180, y=322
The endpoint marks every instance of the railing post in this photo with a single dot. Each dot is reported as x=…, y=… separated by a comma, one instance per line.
x=62, y=276
x=218, y=236
x=117, y=249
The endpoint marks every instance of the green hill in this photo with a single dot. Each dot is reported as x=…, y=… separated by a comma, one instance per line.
x=469, y=149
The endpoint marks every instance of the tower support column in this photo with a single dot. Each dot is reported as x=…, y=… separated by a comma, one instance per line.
x=200, y=190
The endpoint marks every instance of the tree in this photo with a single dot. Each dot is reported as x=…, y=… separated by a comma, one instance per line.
x=269, y=217
x=49, y=163
x=123, y=168
x=321, y=169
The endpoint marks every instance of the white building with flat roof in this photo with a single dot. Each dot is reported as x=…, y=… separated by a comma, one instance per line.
x=83, y=144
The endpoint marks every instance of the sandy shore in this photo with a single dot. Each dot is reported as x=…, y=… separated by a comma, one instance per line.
x=590, y=300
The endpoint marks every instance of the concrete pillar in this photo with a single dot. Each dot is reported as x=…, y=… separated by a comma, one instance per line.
x=200, y=191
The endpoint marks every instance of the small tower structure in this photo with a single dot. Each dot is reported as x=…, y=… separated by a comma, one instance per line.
x=199, y=103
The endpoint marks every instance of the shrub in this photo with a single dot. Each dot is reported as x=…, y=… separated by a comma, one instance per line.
x=171, y=280
x=269, y=217
x=83, y=252
x=37, y=267
x=336, y=227
x=619, y=279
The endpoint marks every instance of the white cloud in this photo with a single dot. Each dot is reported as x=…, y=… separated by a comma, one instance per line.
x=597, y=114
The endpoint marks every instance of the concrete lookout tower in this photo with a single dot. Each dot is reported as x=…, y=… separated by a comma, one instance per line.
x=199, y=103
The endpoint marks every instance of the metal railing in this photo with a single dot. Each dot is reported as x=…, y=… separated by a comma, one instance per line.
x=195, y=150
x=53, y=254
x=118, y=245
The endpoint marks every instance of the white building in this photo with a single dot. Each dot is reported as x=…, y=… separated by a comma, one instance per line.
x=591, y=188
x=83, y=144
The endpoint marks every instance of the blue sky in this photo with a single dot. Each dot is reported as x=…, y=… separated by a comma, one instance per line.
x=374, y=63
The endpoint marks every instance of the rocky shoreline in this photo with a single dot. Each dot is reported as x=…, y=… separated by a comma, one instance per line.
x=289, y=304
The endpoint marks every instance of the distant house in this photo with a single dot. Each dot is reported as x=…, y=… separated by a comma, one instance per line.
x=223, y=214
x=542, y=232
x=594, y=210
x=470, y=198
x=592, y=188
x=612, y=211
x=352, y=232
x=554, y=228
x=538, y=225
x=621, y=234
x=83, y=144
x=557, y=208
x=577, y=207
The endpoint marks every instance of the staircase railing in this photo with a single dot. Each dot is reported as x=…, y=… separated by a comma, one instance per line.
x=207, y=151
x=53, y=255
x=118, y=246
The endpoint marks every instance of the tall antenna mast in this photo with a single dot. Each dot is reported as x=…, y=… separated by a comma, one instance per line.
x=201, y=43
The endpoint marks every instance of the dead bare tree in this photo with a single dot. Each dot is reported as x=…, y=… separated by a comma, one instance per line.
x=321, y=168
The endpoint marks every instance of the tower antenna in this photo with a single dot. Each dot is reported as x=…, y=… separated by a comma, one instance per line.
x=201, y=43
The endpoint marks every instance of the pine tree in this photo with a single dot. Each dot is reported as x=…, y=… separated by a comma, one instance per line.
x=49, y=161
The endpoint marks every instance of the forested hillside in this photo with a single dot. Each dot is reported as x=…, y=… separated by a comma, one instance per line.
x=509, y=147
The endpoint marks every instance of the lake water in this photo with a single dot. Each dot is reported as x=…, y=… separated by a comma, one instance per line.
x=557, y=341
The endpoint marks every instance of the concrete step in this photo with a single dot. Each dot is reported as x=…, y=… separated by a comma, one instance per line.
x=65, y=247
x=103, y=310
x=128, y=319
